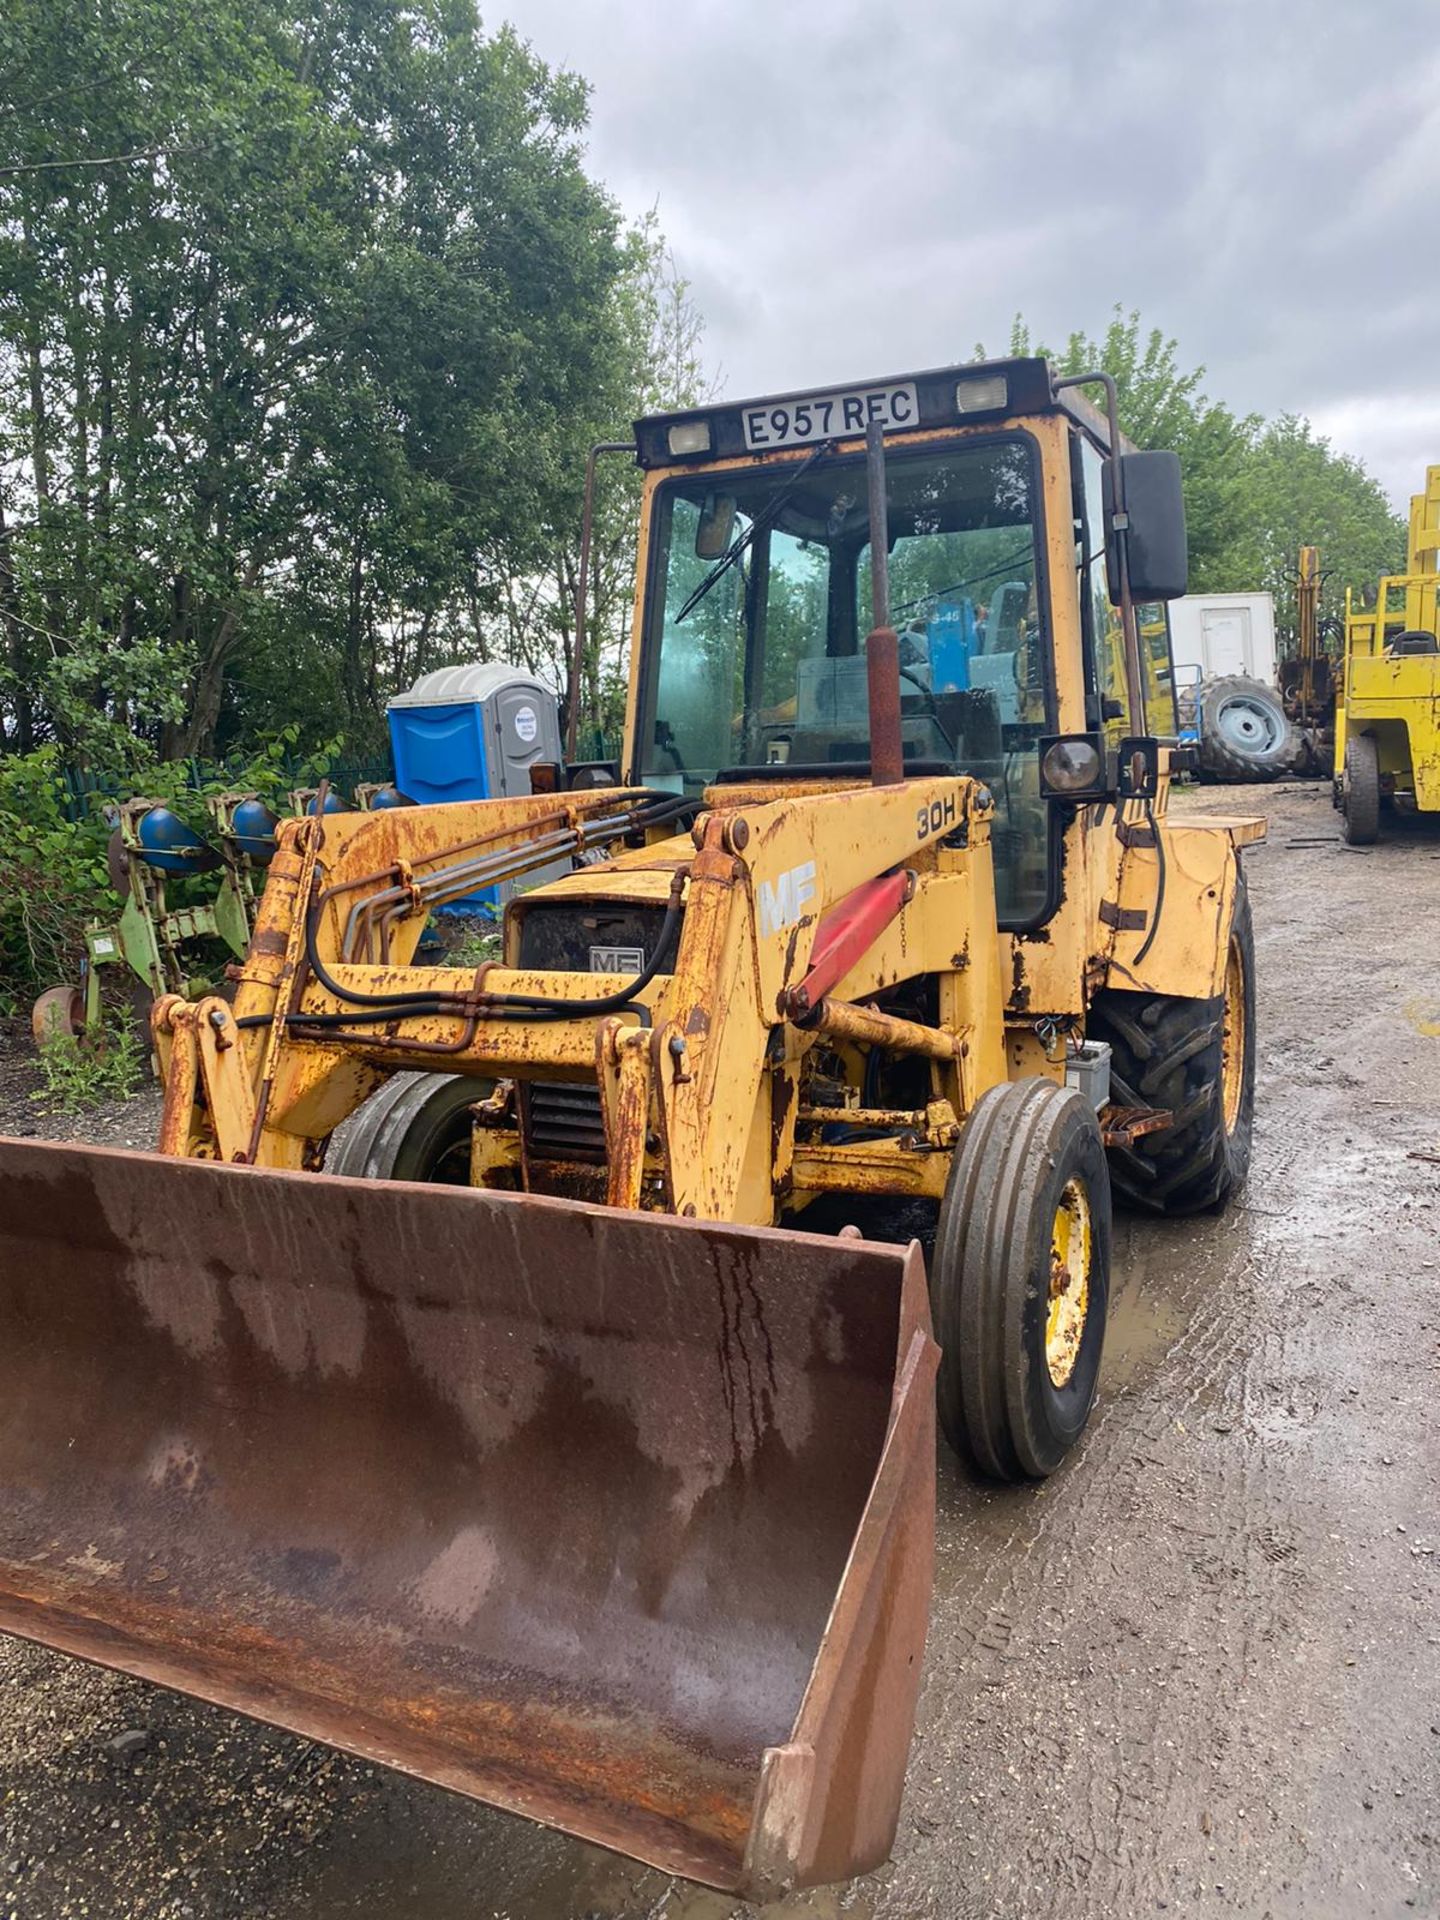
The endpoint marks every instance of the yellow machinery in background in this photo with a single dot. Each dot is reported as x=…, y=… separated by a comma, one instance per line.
x=486, y=1376
x=1387, y=728
x=1307, y=677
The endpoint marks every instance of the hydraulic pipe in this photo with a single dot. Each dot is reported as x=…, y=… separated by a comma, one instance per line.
x=868, y=1027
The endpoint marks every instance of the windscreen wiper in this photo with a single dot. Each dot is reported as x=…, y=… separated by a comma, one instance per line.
x=763, y=520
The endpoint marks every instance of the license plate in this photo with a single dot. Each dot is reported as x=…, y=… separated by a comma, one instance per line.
x=617, y=960
x=831, y=416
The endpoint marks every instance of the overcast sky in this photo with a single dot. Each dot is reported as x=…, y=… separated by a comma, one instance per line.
x=862, y=188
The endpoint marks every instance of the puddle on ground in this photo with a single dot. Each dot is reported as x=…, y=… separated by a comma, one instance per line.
x=1140, y=1330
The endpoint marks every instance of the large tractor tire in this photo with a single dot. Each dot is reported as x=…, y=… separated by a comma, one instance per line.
x=1360, y=796
x=417, y=1127
x=1195, y=1059
x=1245, y=733
x=1020, y=1279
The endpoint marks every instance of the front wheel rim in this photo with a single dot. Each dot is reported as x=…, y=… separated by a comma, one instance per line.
x=1233, y=1038
x=1071, y=1240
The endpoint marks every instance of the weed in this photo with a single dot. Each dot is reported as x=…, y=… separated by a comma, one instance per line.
x=79, y=1074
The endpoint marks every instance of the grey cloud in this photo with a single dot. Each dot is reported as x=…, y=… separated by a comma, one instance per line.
x=855, y=188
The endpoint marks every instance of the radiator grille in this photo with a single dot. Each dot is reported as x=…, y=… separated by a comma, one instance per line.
x=562, y=1121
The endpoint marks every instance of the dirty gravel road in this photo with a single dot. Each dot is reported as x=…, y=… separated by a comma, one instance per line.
x=1198, y=1672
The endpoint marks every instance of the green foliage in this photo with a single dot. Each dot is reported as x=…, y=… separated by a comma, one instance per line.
x=52, y=876
x=476, y=944
x=1298, y=491
x=307, y=316
x=1255, y=492
x=79, y=1074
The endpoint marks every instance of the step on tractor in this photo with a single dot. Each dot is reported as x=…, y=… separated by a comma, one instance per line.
x=1387, y=716
x=526, y=1376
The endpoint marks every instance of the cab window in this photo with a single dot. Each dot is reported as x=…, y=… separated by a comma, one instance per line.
x=756, y=654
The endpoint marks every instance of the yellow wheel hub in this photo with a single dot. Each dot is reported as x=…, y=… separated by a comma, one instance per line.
x=1070, y=1237
x=1234, y=1038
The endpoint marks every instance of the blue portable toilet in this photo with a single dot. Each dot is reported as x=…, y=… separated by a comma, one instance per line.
x=473, y=733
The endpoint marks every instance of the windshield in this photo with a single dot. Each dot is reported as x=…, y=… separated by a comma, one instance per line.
x=766, y=665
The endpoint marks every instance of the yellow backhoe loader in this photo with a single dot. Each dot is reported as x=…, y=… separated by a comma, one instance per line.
x=486, y=1376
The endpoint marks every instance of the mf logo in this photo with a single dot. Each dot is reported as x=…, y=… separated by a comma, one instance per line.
x=782, y=904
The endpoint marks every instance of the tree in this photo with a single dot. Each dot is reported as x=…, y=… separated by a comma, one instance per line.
x=663, y=332
x=1298, y=491
x=307, y=314
x=1254, y=492
x=1162, y=405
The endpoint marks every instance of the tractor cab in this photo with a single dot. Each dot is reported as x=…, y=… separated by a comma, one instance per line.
x=758, y=591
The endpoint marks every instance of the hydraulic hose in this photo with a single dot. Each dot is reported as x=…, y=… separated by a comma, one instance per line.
x=389, y=1006
x=1149, y=939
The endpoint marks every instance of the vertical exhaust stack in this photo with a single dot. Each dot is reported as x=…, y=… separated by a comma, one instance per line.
x=882, y=646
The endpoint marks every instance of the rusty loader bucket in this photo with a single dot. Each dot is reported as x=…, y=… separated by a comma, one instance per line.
x=618, y=1521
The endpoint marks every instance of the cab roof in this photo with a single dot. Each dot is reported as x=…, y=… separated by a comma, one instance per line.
x=962, y=395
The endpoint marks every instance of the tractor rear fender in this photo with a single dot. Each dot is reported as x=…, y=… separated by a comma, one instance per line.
x=1168, y=928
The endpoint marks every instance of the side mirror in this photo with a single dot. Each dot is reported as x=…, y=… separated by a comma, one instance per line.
x=1154, y=535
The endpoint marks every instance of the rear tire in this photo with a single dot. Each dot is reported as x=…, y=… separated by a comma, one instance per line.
x=1019, y=1279
x=1195, y=1058
x=1360, y=791
x=417, y=1127
x=1245, y=733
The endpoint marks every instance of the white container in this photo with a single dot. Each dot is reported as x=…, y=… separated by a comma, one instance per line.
x=1215, y=635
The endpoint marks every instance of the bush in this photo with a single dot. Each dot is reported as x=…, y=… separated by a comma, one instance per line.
x=52, y=878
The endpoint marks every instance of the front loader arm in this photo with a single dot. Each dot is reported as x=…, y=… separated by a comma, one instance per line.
x=698, y=1071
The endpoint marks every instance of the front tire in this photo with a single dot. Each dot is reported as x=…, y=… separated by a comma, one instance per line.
x=1195, y=1058
x=1360, y=791
x=417, y=1127
x=1020, y=1279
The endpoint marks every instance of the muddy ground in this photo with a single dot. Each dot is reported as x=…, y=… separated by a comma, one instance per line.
x=1197, y=1672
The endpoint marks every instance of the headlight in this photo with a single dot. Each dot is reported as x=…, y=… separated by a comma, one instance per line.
x=987, y=394
x=691, y=436
x=1072, y=766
